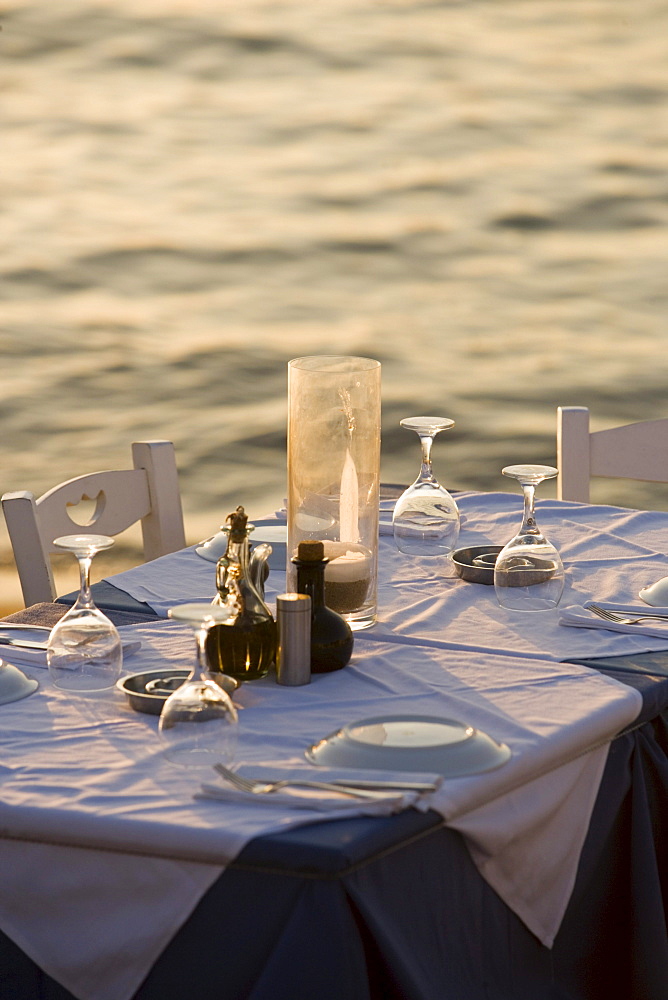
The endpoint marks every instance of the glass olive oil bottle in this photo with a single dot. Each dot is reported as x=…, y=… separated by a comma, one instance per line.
x=243, y=647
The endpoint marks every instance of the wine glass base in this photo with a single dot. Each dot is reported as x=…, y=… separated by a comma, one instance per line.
x=195, y=757
x=425, y=547
x=531, y=604
x=83, y=685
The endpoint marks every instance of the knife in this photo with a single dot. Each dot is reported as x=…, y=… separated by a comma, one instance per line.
x=5, y=640
x=31, y=628
x=402, y=786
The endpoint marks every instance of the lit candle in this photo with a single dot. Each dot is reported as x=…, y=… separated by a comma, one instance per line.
x=347, y=575
x=349, y=502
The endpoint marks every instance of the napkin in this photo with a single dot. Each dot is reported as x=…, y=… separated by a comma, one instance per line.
x=386, y=801
x=580, y=616
x=384, y=804
x=37, y=657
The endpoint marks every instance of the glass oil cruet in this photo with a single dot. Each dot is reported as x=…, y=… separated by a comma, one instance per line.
x=243, y=647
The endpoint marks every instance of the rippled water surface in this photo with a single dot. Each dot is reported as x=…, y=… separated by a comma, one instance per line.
x=475, y=193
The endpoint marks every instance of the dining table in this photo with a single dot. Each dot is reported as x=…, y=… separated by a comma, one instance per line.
x=124, y=877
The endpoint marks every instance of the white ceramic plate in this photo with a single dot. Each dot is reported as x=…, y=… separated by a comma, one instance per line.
x=410, y=743
x=275, y=534
x=14, y=684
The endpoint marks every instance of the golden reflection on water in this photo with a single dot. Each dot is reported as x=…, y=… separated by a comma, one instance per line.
x=471, y=193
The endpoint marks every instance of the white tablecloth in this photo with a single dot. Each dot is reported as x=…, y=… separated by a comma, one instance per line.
x=609, y=554
x=88, y=772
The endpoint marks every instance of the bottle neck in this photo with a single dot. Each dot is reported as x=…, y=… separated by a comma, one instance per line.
x=311, y=581
x=231, y=570
x=237, y=552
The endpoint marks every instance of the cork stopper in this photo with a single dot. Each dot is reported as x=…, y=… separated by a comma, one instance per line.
x=237, y=521
x=311, y=551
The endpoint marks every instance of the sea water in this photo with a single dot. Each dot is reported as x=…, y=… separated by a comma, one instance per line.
x=195, y=192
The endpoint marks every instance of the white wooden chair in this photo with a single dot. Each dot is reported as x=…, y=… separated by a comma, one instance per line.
x=631, y=451
x=149, y=493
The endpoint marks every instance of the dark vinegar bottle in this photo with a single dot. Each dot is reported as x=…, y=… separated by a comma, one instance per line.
x=331, y=635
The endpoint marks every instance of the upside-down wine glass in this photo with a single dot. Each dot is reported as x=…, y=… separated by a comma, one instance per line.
x=529, y=574
x=426, y=519
x=84, y=650
x=198, y=722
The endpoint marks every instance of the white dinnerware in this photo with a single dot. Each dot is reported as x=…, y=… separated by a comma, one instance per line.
x=14, y=685
x=410, y=743
x=275, y=535
x=656, y=594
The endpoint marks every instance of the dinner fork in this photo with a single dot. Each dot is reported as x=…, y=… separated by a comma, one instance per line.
x=259, y=787
x=614, y=616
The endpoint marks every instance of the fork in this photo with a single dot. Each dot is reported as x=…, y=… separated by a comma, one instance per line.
x=259, y=787
x=614, y=616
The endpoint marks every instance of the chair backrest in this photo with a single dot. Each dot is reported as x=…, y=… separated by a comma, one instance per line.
x=149, y=492
x=631, y=451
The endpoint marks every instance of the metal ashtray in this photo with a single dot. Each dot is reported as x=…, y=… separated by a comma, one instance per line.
x=148, y=691
x=528, y=571
x=476, y=564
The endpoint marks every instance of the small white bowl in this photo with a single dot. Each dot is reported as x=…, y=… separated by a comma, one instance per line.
x=656, y=594
x=14, y=684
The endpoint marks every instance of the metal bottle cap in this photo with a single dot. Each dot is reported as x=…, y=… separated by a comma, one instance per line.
x=293, y=603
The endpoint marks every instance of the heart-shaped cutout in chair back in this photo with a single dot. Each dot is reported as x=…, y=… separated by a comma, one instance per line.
x=86, y=511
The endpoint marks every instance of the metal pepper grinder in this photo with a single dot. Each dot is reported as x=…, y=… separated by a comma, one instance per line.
x=293, y=662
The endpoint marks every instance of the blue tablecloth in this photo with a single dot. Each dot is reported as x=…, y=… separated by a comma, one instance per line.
x=393, y=907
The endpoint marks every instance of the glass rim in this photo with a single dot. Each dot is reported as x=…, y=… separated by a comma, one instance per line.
x=330, y=364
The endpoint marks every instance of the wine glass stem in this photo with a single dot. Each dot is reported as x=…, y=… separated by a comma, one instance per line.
x=529, y=520
x=201, y=632
x=426, y=442
x=85, y=597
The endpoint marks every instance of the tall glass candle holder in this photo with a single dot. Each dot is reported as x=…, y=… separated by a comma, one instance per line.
x=333, y=476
